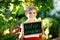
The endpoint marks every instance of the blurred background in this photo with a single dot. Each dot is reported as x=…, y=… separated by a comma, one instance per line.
x=12, y=15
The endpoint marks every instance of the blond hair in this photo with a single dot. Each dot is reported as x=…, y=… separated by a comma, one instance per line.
x=30, y=7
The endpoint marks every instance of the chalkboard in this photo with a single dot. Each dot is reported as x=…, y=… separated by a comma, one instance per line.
x=32, y=28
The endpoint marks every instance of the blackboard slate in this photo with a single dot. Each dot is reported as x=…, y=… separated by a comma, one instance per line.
x=32, y=28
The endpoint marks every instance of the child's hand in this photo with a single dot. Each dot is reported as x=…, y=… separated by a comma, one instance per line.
x=42, y=35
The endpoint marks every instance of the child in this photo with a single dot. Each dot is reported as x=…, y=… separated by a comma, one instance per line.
x=31, y=13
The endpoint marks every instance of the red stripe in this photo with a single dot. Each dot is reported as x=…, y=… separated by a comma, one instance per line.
x=32, y=38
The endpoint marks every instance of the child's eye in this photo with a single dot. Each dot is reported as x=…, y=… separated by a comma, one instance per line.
x=33, y=12
x=30, y=13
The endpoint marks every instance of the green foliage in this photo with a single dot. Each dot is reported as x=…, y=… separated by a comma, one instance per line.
x=9, y=37
x=14, y=16
x=53, y=26
x=54, y=29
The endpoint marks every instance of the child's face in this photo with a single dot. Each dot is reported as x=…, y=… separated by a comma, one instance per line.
x=31, y=14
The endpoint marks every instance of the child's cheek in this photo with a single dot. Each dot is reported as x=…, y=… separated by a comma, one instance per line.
x=28, y=16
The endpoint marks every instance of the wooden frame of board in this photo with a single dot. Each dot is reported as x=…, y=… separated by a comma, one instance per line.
x=33, y=22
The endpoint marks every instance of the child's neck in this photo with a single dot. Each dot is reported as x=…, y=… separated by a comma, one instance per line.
x=32, y=20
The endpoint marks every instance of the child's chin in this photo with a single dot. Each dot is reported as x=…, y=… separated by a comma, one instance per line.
x=31, y=18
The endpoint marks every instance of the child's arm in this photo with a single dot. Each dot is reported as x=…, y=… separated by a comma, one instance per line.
x=21, y=32
x=42, y=35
